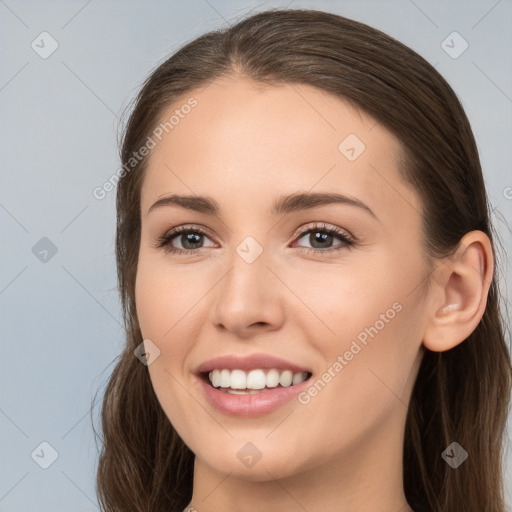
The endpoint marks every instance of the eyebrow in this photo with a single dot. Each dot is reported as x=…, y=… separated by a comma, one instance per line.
x=285, y=204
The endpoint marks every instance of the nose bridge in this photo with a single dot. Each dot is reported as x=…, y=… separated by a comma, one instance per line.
x=247, y=293
x=248, y=277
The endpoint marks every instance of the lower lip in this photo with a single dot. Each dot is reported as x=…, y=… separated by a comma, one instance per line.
x=251, y=405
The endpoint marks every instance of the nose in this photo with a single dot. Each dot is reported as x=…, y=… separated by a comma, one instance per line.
x=248, y=299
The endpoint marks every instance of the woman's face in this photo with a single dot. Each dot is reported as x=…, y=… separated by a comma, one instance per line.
x=266, y=276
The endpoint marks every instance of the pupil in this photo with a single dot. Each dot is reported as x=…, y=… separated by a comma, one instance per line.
x=321, y=237
x=189, y=239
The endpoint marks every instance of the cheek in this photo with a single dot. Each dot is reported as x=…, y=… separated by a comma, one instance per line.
x=366, y=380
x=159, y=310
x=164, y=296
x=365, y=329
x=149, y=312
x=344, y=299
x=170, y=312
x=164, y=303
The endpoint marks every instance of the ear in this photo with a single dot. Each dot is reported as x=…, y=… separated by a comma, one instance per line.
x=461, y=284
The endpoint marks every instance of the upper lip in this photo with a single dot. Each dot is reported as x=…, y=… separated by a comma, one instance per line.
x=252, y=362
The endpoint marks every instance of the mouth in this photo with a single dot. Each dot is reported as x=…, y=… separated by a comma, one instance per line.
x=256, y=381
x=251, y=385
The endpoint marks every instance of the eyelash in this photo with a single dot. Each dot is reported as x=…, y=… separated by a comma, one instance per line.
x=347, y=241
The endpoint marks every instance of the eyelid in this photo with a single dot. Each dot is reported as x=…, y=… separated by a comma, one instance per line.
x=322, y=226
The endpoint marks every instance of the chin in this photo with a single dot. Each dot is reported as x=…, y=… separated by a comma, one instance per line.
x=251, y=464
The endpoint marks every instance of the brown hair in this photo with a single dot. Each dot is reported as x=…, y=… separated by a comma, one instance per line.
x=460, y=395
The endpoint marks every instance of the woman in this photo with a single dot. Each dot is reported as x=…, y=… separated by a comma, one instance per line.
x=264, y=370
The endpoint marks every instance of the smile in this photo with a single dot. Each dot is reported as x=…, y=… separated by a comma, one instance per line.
x=255, y=381
x=250, y=385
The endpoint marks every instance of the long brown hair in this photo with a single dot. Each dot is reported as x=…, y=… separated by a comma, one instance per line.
x=460, y=395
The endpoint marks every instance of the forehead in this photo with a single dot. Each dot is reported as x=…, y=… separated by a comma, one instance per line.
x=244, y=141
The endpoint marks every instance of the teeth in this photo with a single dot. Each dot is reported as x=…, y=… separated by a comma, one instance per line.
x=298, y=378
x=286, y=378
x=225, y=379
x=255, y=379
x=272, y=379
x=238, y=379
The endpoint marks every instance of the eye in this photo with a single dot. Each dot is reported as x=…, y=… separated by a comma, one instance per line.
x=189, y=237
x=320, y=236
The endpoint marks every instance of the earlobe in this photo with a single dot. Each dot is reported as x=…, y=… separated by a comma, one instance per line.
x=461, y=285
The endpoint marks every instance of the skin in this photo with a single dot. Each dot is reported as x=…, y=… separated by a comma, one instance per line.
x=246, y=145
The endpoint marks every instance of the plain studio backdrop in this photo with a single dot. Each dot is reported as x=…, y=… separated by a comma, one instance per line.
x=60, y=103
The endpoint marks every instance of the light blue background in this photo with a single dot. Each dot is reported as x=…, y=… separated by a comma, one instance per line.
x=60, y=320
